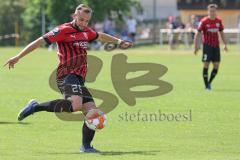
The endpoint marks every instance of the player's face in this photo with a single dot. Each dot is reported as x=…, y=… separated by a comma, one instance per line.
x=83, y=19
x=212, y=12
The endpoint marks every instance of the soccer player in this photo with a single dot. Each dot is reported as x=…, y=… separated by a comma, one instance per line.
x=210, y=26
x=72, y=39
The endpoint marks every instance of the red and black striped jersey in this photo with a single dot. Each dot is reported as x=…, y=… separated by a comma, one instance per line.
x=71, y=48
x=210, y=29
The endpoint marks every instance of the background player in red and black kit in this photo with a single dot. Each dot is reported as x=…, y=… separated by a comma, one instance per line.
x=210, y=26
x=72, y=39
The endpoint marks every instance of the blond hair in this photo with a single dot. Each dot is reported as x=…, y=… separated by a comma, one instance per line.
x=84, y=8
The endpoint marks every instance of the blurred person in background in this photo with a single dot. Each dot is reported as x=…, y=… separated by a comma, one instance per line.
x=109, y=26
x=174, y=38
x=192, y=26
x=171, y=25
x=131, y=28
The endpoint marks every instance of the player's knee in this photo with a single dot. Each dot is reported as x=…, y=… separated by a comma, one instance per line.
x=89, y=106
x=76, y=102
x=216, y=67
x=206, y=65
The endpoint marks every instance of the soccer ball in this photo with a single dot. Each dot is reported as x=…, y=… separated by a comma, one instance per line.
x=97, y=121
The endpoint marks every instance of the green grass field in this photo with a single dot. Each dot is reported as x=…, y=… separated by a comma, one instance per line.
x=211, y=134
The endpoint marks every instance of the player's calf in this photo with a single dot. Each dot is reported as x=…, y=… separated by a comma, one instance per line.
x=213, y=75
x=205, y=77
x=58, y=105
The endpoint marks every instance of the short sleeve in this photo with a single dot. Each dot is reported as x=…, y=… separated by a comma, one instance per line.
x=92, y=35
x=54, y=35
x=200, y=26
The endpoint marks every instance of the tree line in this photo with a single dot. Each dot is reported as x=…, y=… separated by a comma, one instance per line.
x=25, y=16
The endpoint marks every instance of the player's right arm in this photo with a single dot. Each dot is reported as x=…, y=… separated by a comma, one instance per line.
x=29, y=48
x=201, y=27
x=196, y=40
x=55, y=35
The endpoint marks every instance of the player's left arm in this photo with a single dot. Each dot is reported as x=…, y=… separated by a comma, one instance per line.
x=224, y=40
x=222, y=35
x=106, y=38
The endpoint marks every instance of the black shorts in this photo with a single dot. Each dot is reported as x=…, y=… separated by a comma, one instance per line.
x=73, y=84
x=211, y=54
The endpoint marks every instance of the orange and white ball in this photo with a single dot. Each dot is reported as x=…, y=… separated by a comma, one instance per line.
x=96, y=121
